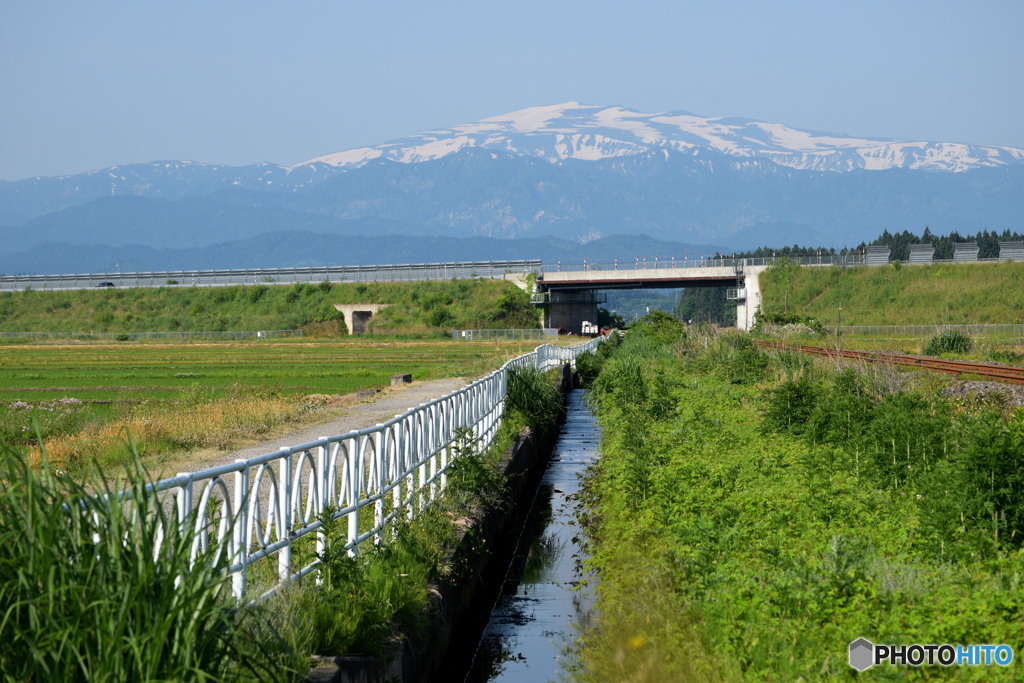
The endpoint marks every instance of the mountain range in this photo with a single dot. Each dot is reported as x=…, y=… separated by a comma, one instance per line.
x=559, y=176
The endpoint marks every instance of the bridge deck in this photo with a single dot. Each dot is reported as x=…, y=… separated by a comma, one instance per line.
x=639, y=277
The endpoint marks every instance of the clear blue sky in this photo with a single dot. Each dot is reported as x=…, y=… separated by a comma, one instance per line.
x=87, y=85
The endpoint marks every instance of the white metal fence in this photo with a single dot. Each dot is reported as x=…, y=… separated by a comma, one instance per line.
x=477, y=335
x=256, y=510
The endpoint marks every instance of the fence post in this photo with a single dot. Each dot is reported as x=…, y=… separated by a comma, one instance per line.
x=240, y=532
x=355, y=479
x=284, y=508
x=323, y=499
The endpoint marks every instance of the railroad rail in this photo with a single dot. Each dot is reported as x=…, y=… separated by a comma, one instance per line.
x=1002, y=373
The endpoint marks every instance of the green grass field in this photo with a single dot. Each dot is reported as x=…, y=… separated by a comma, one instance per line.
x=81, y=398
x=113, y=372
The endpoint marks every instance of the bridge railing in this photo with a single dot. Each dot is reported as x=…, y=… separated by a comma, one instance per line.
x=674, y=262
x=247, y=276
x=255, y=511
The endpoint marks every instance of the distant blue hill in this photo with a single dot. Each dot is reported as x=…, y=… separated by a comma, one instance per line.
x=480, y=194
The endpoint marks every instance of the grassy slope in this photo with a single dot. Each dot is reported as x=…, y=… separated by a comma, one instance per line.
x=937, y=294
x=417, y=307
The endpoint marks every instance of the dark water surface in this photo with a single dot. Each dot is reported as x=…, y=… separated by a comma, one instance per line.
x=535, y=622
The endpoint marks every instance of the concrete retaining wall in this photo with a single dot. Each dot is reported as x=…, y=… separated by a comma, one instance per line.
x=357, y=316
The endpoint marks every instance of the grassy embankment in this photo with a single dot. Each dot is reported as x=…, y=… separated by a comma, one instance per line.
x=937, y=294
x=753, y=513
x=418, y=308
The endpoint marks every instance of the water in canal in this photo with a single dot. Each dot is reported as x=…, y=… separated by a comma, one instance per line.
x=535, y=621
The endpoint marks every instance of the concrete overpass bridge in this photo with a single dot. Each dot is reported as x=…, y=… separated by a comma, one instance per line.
x=571, y=294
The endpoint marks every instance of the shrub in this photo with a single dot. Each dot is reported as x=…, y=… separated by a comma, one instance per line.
x=789, y=406
x=842, y=412
x=950, y=341
x=440, y=317
x=991, y=478
x=661, y=326
x=766, y=320
x=588, y=366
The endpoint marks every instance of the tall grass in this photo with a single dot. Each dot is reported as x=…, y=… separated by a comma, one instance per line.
x=195, y=421
x=776, y=511
x=92, y=589
x=532, y=396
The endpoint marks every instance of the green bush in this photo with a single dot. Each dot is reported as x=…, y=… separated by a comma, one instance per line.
x=588, y=366
x=842, y=413
x=990, y=478
x=661, y=327
x=779, y=318
x=950, y=341
x=790, y=405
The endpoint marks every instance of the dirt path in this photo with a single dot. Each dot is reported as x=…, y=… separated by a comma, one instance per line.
x=366, y=413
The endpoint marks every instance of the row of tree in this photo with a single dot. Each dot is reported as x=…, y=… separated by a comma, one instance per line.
x=899, y=245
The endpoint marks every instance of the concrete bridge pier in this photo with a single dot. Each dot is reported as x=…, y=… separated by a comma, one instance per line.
x=568, y=310
x=748, y=299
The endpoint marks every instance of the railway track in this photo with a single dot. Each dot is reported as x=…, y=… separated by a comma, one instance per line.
x=1002, y=373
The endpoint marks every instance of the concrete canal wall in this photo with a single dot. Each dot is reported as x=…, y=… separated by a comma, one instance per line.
x=462, y=607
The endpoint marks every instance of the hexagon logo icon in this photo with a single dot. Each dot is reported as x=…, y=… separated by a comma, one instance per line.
x=862, y=654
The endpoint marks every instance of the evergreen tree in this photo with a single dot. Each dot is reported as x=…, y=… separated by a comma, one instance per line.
x=706, y=304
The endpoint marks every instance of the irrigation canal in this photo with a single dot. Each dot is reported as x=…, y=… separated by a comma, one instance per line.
x=536, y=618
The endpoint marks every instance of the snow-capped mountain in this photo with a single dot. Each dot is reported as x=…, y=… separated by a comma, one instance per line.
x=587, y=132
x=570, y=171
